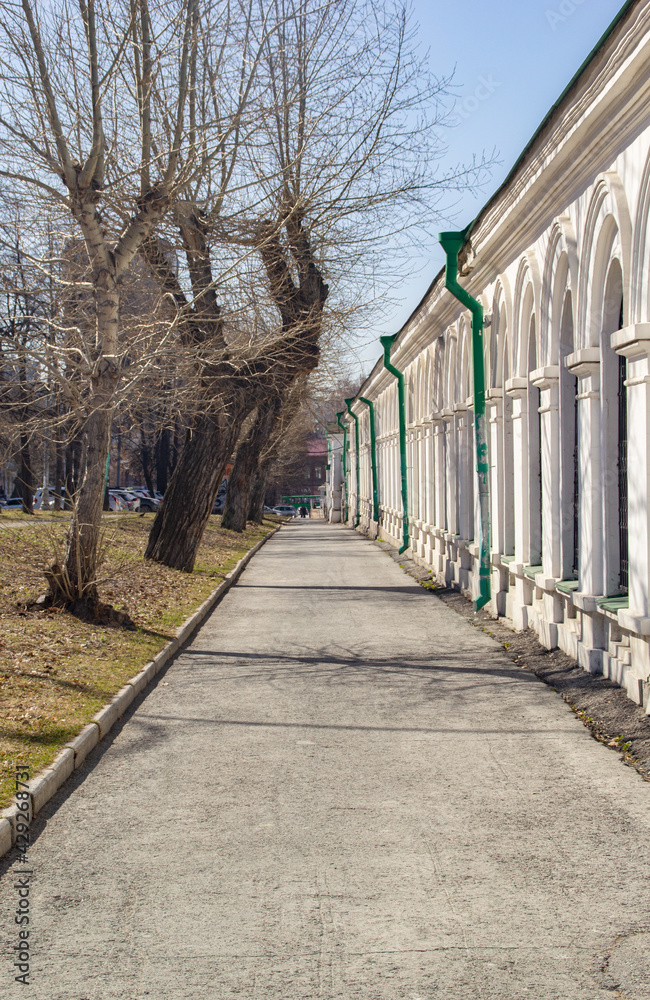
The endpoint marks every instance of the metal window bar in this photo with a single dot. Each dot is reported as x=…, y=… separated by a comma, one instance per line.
x=622, y=475
x=540, y=474
x=576, y=489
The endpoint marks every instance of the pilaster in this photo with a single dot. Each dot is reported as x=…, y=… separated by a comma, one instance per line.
x=517, y=389
x=585, y=365
x=547, y=380
x=633, y=342
x=439, y=465
x=451, y=470
x=494, y=406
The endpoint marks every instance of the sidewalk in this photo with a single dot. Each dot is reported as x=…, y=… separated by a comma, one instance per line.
x=341, y=790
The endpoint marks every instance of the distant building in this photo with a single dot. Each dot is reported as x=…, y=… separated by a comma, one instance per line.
x=315, y=465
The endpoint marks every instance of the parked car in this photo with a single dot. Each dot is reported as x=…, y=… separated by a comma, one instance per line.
x=13, y=504
x=38, y=498
x=116, y=502
x=286, y=510
x=131, y=501
x=148, y=503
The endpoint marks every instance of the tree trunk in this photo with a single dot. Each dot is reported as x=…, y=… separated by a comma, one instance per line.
x=258, y=494
x=26, y=476
x=179, y=524
x=242, y=477
x=73, y=584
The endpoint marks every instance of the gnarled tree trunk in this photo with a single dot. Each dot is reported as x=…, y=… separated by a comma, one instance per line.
x=179, y=524
x=240, y=483
x=285, y=415
x=258, y=493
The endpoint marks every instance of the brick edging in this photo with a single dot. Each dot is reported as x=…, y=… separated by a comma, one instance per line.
x=47, y=782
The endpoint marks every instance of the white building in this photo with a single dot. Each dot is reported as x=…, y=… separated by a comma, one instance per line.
x=333, y=477
x=558, y=259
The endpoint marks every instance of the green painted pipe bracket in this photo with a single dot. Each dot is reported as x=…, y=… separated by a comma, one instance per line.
x=348, y=403
x=387, y=343
x=373, y=457
x=452, y=243
x=343, y=459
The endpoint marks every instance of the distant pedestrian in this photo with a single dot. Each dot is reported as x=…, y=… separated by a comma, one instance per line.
x=303, y=511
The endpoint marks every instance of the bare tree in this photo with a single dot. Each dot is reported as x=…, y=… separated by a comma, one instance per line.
x=230, y=353
x=342, y=158
x=95, y=121
x=353, y=135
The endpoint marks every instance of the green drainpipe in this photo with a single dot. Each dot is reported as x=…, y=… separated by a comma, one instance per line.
x=345, y=470
x=451, y=244
x=373, y=457
x=387, y=343
x=348, y=403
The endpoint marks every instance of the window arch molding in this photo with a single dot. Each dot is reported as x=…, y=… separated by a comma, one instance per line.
x=526, y=306
x=501, y=324
x=451, y=374
x=465, y=358
x=560, y=276
x=439, y=375
x=640, y=280
x=607, y=236
x=427, y=386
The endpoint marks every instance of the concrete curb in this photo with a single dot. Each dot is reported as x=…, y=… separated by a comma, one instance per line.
x=47, y=782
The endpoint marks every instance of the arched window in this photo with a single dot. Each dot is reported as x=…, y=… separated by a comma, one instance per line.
x=613, y=396
x=534, y=454
x=508, y=484
x=570, y=482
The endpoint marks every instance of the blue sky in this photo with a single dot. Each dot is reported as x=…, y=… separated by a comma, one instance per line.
x=511, y=61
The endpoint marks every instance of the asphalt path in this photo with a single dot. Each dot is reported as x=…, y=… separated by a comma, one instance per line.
x=340, y=790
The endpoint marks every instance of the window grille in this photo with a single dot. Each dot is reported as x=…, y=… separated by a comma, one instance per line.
x=622, y=475
x=576, y=491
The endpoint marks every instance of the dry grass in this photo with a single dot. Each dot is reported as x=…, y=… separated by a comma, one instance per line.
x=57, y=671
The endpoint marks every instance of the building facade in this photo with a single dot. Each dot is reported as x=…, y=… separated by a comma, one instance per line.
x=559, y=260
